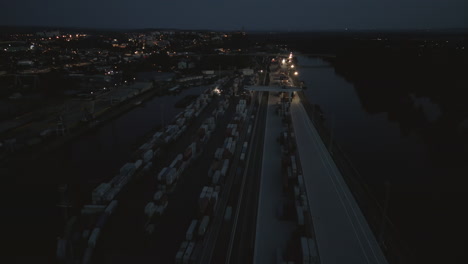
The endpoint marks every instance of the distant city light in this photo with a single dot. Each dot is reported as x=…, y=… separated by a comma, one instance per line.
x=292, y=66
x=283, y=61
x=296, y=73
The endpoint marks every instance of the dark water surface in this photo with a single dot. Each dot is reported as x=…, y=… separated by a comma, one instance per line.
x=400, y=138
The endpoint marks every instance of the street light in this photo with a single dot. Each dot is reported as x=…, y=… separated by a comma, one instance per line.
x=292, y=66
x=296, y=73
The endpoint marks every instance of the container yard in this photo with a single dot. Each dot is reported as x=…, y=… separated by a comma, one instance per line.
x=93, y=222
x=169, y=180
x=212, y=198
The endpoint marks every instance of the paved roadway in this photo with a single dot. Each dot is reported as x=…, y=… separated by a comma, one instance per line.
x=218, y=235
x=242, y=244
x=342, y=232
x=271, y=232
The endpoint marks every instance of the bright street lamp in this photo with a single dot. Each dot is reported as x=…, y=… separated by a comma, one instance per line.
x=292, y=66
x=296, y=73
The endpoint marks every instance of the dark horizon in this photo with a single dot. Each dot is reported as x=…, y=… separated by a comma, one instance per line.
x=132, y=29
x=262, y=15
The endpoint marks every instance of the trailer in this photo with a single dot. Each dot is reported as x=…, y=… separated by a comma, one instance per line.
x=191, y=230
x=203, y=225
x=225, y=167
x=216, y=177
x=188, y=252
x=94, y=237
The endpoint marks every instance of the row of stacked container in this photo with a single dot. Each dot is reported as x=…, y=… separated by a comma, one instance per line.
x=293, y=180
x=168, y=176
x=143, y=162
x=94, y=235
x=144, y=155
x=208, y=198
x=283, y=107
x=106, y=192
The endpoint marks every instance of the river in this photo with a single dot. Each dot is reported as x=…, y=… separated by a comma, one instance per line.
x=392, y=142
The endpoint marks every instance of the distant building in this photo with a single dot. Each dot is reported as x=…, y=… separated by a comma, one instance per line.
x=247, y=71
x=208, y=72
x=48, y=34
x=25, y=63
x=185, y=65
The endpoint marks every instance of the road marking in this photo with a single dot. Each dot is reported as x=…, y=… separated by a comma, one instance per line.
x=340, y=182
x=322, y=154
x=328, y=168
x=231, y=241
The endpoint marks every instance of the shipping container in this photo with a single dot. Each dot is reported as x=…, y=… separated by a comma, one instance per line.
x=94, y=237
x=181, y=252
x=88, y=254
x=305, y=251
x=111, y=207
x=203, y=225
x=162, y=173
x=191, y=230
x=216, y=177
x=225, y=167
x=299, y=214
x=188, y=253
x=147, y=156
x=228, y=213
x=313, y=254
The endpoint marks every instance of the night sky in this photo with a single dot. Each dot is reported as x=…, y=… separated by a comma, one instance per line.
x=232, y=15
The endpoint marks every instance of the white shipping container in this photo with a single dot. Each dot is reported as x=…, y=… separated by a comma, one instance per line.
x=94, y=237
x=216, y=177
x=138, y=164
x=188, y=252
x=179, y=256
x=158, y=135
x=145, y=146
x=99, y=192
x=191, y=230
x=125, y=169
x=148, y=166
x=171, y=176
x=147, y=156
x=225, y=167
x=242, y=156
x=203, y=225
x=150, y=209
x=313, y=254
x=300, y=214
x=92, y=209
x=162, y=174
x=233, y=147
x=111, y=207
x=158, y=195
x=305, y=251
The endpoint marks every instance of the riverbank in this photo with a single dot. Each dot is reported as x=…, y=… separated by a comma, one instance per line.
x=371, y=207
x=393, y=133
